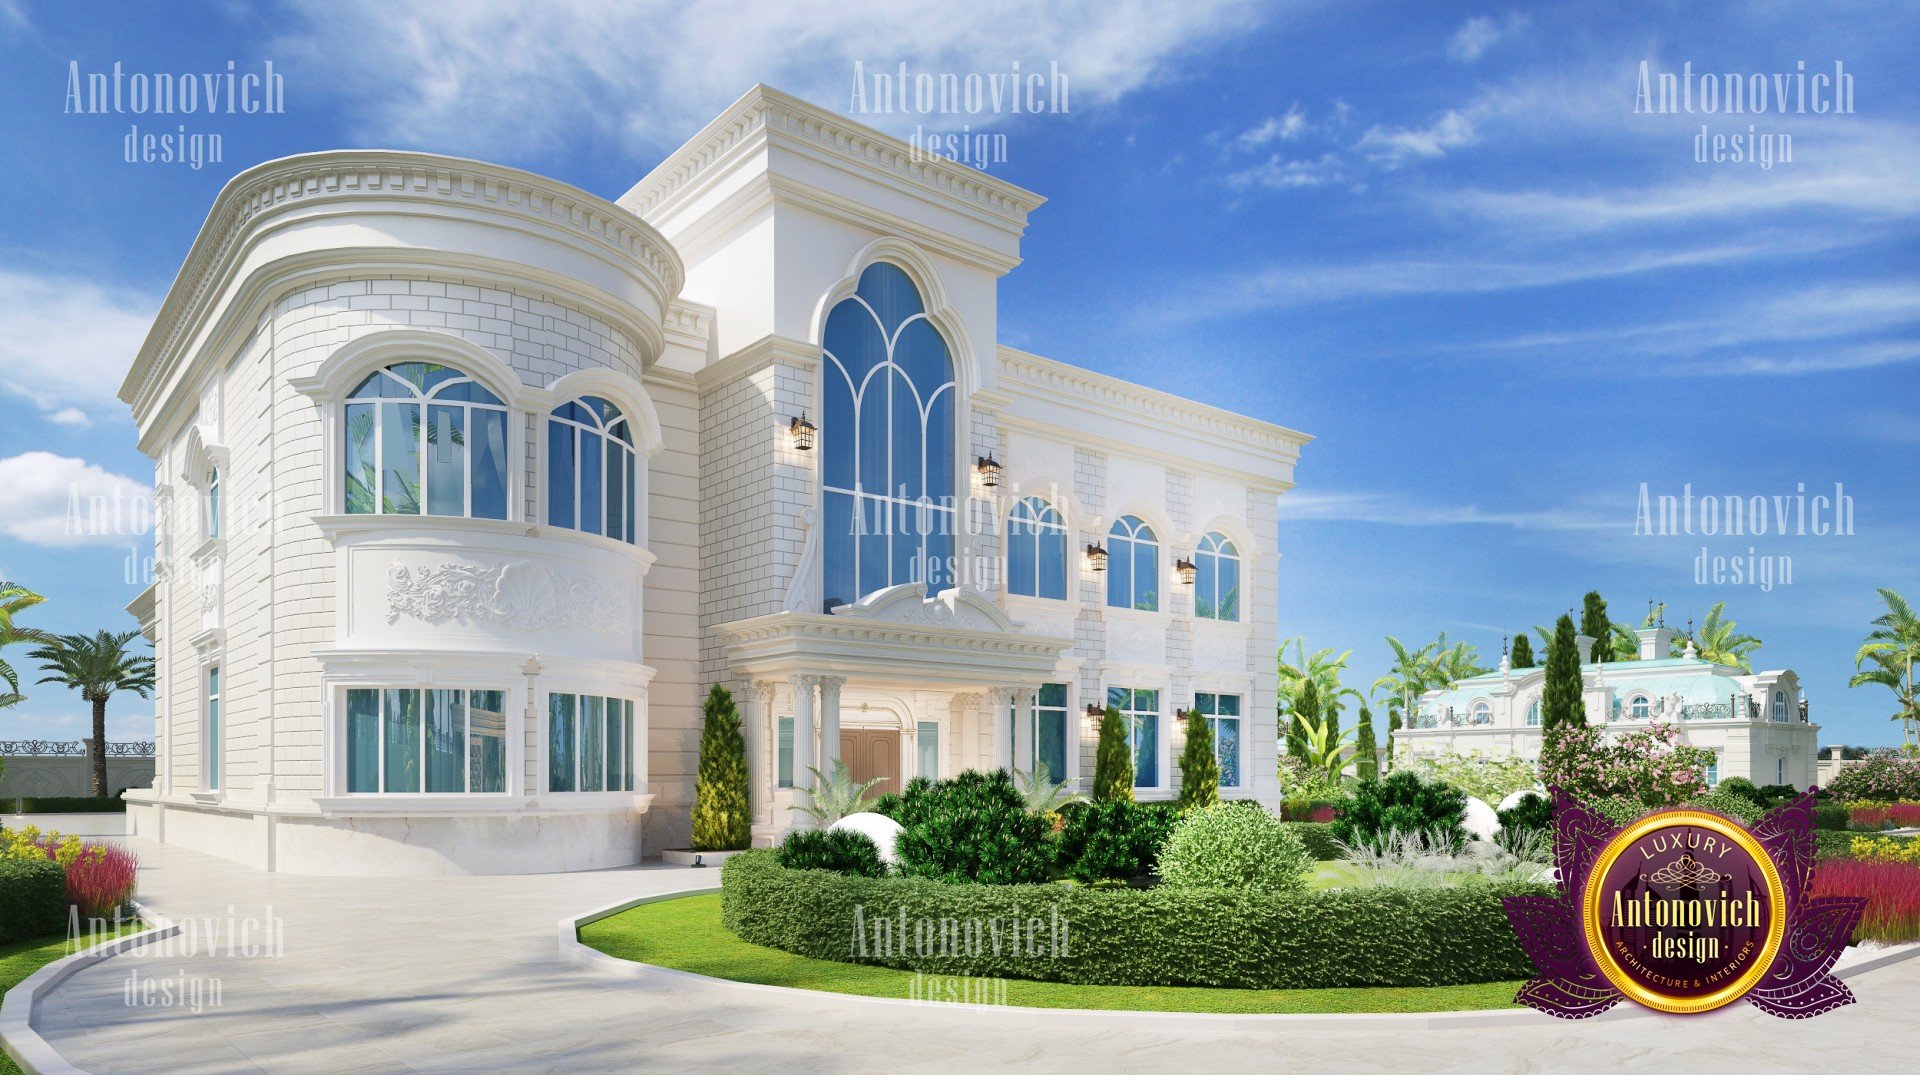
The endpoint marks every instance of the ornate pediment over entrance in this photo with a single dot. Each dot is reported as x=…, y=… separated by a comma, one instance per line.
x=908, y=605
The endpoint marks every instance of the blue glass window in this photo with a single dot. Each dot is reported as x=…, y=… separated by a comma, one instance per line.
x=440, y=741
x=1049, y=732
x=425, y=439
x=888, y=438
x=1036, y=550
x=590, y=743
x=1141, y=708
x=592, y=470
x=1216, y=583
x=1222, y=713
x=927, y=734
x=1133, y=565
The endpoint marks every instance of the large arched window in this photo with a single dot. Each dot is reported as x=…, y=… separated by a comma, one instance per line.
x=1483, y=712
x=1216, y=583
x=592, y=472
x=1036, y=550
x=1133, y=565
x=425, y=439
x=888, y=433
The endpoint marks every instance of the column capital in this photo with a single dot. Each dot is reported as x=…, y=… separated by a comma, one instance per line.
x=1025, y=696
x=830, y=686
x=801, y=682
x=755, y=690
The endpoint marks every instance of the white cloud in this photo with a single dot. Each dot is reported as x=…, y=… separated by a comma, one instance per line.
x=70, y=416
x=68, y=341
x=1394, y=146
x=1277, y=174
x=1396, y=510
x=1479, y=34
x=1281, y=128
x=508, y=77
x=13, y=16
x=56, y=500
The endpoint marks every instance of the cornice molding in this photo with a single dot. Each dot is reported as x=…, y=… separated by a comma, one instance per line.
x=265, y=191
x=764, y=115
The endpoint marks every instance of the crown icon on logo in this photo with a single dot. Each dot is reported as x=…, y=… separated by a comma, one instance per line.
x=1686, y=872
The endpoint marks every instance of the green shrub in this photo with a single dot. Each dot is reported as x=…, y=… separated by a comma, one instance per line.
x=839, y=850
x=1113, y=759
x=1404, y=803
x=1227, y=847
x=1199, y=767
x=1831, y=816
x=722, y=820
x=1835, y=844
x=1741, y=786
x=1737, y=807
x=1533, y=811
x=1358, y=937
x=1115, y=840
x=33, y=898
x=974, y=827
x=65, y=804
x=1619, y=810
x=1317, y=838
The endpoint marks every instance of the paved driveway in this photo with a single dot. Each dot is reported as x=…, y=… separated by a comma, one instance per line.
x=463, y=974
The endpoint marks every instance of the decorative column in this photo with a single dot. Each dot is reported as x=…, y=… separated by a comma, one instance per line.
x=955, y=754
x=803, y=756
x=1024, y=699
x=756, y=721
x=830, y=720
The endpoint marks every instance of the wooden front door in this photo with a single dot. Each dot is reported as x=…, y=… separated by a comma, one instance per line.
x=871, y=753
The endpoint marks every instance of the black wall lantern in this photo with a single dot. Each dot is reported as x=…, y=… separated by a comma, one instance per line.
x=802, y=431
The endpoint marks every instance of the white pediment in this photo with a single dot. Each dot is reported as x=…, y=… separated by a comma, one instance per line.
x=908, y=605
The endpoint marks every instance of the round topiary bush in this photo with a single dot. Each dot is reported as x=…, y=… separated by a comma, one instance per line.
x=1230, y=848
x=1738, y=807
x=973, y=828
x=839, y=850
x=1402, y=803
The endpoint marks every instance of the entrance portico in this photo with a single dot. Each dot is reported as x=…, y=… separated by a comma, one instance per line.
x=943, y=672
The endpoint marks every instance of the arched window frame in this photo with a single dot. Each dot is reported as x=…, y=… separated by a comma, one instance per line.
x=930, y=521
x=1133, y=551
x=595, y=420
x=433, y=401
x=1533, y=713
x=1037, y=550
x=1779, y=708
x=1481, y=713
x=1639, y=706
x=1219, y=578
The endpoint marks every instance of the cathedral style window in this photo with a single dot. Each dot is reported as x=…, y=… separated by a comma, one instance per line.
x=1216, y=582
x=1133, y=565
x=592, y=471
x=1036, y=550
x=425, y=439
x=888, y=432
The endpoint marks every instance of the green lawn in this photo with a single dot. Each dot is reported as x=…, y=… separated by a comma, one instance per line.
x=686, y=934
x=18, y=961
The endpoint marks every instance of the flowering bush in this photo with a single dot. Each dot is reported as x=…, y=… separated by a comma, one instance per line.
x=1884, y=815
x=1885, y=849
x=100, y=877
x=1487, y=779
x=1892, y=890
x=1651, y=767
x=1883, y=776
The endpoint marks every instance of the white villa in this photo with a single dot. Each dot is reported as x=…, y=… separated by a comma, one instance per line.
x=471, y=484
x=1756, y=724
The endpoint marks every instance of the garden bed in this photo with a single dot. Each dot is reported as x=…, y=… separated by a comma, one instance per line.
x=686, y=934
x=1338, y=938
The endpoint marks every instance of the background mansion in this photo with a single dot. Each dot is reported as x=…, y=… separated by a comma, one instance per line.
x=471, y=483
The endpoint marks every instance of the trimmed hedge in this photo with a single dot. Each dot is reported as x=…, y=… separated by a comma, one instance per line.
x=1317, y=838
x=1107, y=936
x=63, y=804
x=1831, y=816
x=33, y=898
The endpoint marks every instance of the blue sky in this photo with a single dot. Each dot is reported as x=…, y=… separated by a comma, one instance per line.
x=1437, y=237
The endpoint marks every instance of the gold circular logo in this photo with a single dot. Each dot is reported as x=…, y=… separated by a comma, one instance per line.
x=1683, y=911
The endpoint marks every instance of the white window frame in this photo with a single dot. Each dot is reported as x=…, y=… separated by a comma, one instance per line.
x=512, y=733
x=1214, y=726
x=1220, y=541
x=423, y=401
x=636, y=733
x=212, y=728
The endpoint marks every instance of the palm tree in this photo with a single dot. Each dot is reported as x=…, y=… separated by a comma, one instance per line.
x=1892, y=646
x=1321, y=670
x=1453, y=663
x=1720, y=642
x=1411, y=676
x=97, y=667
x=15, y=599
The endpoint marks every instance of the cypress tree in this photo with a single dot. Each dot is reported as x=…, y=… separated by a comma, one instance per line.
x=1199, y=766
x=1594, y=623
x=1112, y=761
x=722, y=818
x=1306, y=710
x=1394, y=724
x=1522, y=652
x=1366, y=753
x=1560, y=703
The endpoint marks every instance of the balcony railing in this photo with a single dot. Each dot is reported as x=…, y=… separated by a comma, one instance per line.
x=50, y=748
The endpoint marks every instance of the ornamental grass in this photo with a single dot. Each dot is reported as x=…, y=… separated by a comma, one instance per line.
x=100, y=877
x=1885, y=816
x=1892, y=890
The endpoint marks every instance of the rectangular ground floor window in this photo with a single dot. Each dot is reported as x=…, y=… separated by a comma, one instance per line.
x=589, y=743
x=927, y=740
x=1141, y=708
x=210, y=738
x=785, y=760
x=438, y=741
x=1223, y=717
x=1049, y=732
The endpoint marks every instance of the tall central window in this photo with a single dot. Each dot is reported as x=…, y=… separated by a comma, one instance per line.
x=426, y=439
x=1036, y=550
x=1141, y=710
x=591, y=471
x=888, y=442
x=1133, y=565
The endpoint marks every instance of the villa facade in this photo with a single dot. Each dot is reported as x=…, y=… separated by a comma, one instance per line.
x=1756, y=724
x=471, y=484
